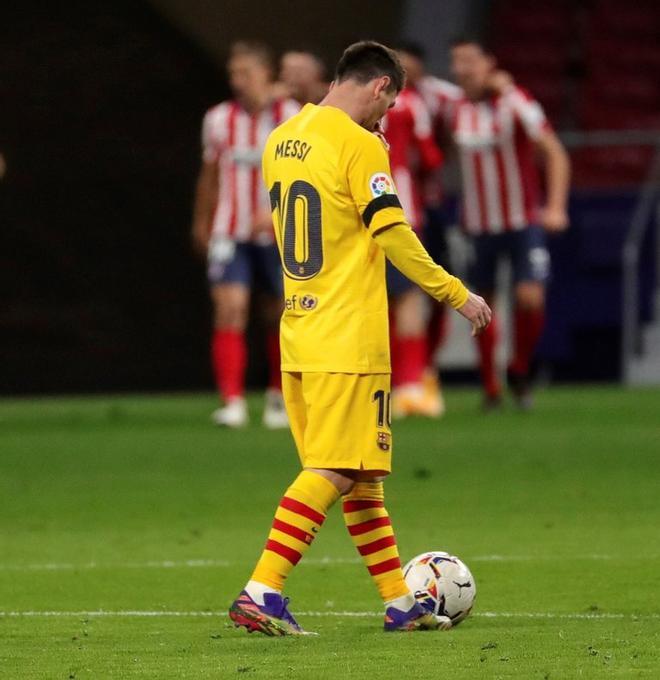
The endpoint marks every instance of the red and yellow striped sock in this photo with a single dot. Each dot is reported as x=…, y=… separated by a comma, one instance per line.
x=298, y=519
x=371, y=530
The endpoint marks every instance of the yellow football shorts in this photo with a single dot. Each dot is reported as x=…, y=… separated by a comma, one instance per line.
x=340, y=420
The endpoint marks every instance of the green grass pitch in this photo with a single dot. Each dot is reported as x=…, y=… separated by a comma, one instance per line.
x=127, y=526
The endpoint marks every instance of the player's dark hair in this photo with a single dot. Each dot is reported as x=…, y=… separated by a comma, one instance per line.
x=365, y=60
x=414, y=49
x=253, y=48
x=472, y=39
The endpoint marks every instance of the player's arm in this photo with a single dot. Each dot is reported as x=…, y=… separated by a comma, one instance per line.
x=405, y=251
x=554, y=216
x=206, y=198
x=207, y=188
x=370, y=184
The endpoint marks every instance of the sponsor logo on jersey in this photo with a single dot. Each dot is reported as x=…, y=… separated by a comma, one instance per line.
x=308, y=302
x=381, y=184
x=383, y=441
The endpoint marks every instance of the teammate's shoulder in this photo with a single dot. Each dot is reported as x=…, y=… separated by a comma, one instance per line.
x=219, y=111
x=519, y=94
x=408, y=98
x=285, y=107
x=440, y=88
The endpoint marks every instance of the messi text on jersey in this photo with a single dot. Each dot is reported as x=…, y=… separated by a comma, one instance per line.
x=292, y=148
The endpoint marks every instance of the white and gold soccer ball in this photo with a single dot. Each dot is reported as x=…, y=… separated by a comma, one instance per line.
x=442, y=584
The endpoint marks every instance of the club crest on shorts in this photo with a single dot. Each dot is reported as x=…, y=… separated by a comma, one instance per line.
x=381, y=184
x=383, y=441
x=308, y=302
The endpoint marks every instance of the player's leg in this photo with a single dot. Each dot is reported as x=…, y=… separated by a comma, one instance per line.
x=531, y=268
x=364, y=411
x=482, y=277
x=298, y=519
x=268, y=271
x=230, y=295
x=369, y=525
x=408, y=346
x=348, y=431
x=437, y=245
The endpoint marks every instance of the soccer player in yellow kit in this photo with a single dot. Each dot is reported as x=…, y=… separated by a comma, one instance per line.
x=337, y=216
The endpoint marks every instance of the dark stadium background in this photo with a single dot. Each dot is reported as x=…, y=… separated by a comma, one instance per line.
x=99, y=124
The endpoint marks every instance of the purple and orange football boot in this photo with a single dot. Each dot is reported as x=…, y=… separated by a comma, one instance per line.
x=416, y=618
x=271, y=618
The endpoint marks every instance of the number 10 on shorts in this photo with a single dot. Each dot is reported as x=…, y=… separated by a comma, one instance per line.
x=384, y=407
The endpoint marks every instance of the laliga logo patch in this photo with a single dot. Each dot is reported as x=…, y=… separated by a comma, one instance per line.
x=383, y=441
x=381, y=184
x=308, y=302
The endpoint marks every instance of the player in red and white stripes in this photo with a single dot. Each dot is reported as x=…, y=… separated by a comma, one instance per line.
x=408, y=129
x=232, y=227
x=499, y=129
x=438, y=96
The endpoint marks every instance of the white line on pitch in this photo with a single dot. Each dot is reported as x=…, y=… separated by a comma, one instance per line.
x=160, y=564
x=310, y=561
x=336, y=614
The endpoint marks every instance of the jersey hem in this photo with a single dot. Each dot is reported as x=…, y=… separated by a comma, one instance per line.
x=347, y=465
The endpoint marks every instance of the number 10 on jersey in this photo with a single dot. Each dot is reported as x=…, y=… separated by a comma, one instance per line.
x=301, y=230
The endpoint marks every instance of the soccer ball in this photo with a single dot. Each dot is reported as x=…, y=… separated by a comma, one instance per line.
x=442, y=584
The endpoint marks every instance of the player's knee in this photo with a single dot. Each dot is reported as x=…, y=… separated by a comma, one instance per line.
x=409, y=315
x=230, y=318
x=341, y=481
x=530, y=295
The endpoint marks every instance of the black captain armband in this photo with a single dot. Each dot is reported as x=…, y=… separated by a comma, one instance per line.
x=379, y=203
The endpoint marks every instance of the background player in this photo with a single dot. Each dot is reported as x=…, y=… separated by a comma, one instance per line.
x=413, y=154
x=438, y=96
x=302, y=77
x=336, y=217
x=232, y=226
x=498, y=130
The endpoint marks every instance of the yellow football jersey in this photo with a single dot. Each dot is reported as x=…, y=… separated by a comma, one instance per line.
x=331, y=190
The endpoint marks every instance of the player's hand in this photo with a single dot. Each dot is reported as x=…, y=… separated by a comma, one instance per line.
x=380, y=133
x=554, y=220
x=477, y=312
x=499, y=81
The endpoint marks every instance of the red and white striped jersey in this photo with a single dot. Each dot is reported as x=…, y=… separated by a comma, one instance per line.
x=496, y=139
x=409, y=132
x=440, y=96
x=234, y=139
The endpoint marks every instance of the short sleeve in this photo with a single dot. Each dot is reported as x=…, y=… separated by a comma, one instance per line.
x=441, y=98
x=370, y=183
x=422, y=125
x=529, y=113
x=289, y=109
x=430, y=154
